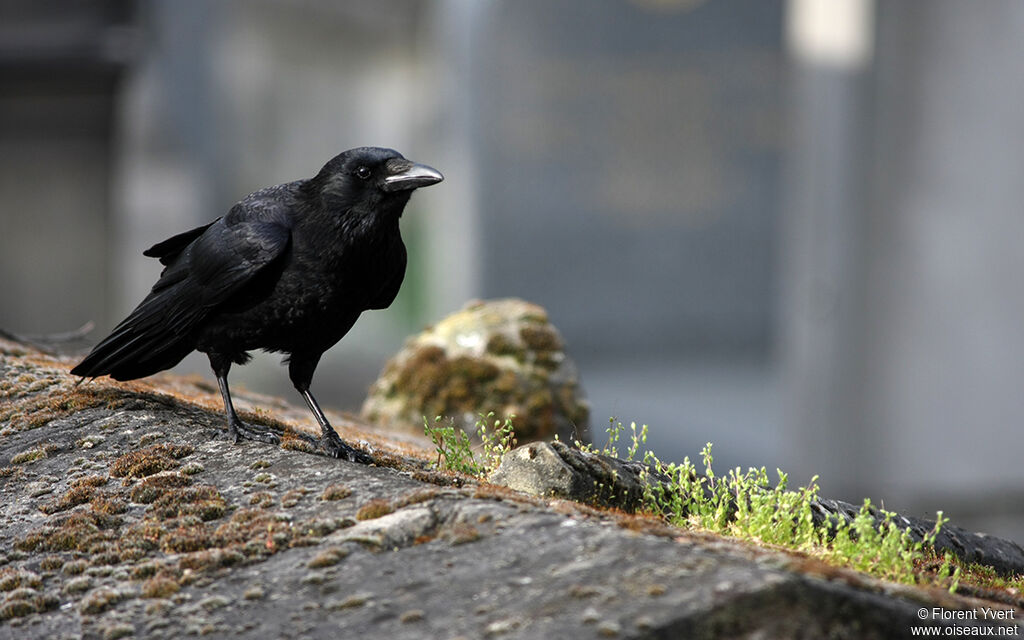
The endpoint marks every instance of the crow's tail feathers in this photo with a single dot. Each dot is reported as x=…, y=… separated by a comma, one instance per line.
x=156, y=336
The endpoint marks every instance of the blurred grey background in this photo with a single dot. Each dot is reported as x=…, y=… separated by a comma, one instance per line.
x=792, y=228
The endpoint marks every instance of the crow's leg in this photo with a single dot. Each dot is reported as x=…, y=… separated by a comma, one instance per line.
x=330, y=441
x=237, y=429
x=301, y=372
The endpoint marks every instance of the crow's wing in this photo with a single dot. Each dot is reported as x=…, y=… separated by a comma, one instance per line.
x=227, y=255
x=224, y=258
x=169, y=249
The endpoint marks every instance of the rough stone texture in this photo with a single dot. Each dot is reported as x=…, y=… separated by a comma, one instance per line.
x=557, y=470
x=502, y=356
x=554, y=469
x=126, y=515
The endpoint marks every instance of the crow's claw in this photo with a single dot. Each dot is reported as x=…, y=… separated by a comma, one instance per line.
x=238, y=430
x=335, y=447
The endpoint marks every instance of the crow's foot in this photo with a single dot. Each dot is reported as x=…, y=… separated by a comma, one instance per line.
x=335, y=447
x=238, y=430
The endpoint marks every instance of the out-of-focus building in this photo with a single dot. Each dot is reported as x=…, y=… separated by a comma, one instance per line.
x=61, y=71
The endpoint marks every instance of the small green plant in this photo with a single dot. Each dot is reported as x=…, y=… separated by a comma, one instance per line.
x=455, y=447
x=881, y=548
x=951, y=570
x=772, y=515
x=495, y=441
x=615, y=430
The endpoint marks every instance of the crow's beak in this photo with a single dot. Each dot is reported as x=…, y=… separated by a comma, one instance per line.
x=406, y=176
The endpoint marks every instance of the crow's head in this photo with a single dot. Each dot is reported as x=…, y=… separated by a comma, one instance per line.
x=371, y=178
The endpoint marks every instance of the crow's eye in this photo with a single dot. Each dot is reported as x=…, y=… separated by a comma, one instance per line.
x=363, y=173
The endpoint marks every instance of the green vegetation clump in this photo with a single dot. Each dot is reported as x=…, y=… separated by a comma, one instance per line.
x=743, y=505
x=746, y=505
x=455, y=450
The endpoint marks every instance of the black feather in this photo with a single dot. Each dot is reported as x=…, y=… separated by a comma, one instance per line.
x=169, y=249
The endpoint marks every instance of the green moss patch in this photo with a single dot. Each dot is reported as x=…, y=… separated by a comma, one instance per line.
x=148, y=461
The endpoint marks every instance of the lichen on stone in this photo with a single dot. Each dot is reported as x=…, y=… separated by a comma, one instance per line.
x=501, y=356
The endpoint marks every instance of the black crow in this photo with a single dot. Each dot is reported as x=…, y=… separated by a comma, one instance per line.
x=288, y=269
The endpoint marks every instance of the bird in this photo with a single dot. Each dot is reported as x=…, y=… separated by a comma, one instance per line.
x=289, y=269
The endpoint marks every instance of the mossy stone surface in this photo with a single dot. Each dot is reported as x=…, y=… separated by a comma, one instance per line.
x=263, y=541
x=501, y=356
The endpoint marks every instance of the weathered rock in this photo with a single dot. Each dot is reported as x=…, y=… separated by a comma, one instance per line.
x=557, y=470
x=126, y=514
x=502, y=356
